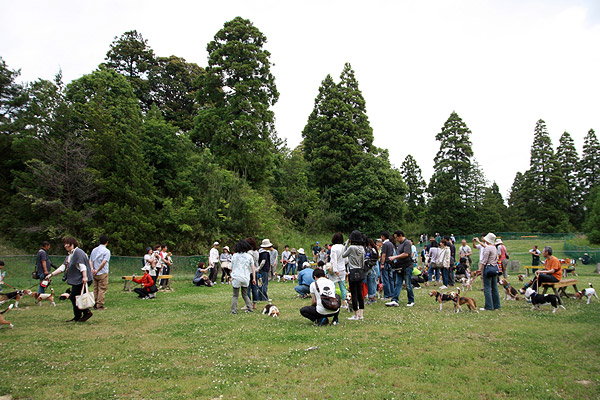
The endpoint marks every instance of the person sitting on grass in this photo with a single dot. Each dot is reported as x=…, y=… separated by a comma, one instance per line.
x=316, y=312
x=200, y=279
x=148, y=289
x=305, y=278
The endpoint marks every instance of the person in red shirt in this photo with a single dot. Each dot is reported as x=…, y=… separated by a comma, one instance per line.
x=551, y=273
x=148, y=289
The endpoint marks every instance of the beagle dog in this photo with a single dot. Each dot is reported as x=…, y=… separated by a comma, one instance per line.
x=521, y=277
x=39, y=297
x=271, y=310
x=16, y=296
x=442, y=297
x=467, y=283
x=589, y=293
x=538, y=300
x=459, y=301
x=510, y=293
x=4, y=321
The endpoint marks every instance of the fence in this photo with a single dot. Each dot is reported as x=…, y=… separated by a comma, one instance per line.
x=520, y=236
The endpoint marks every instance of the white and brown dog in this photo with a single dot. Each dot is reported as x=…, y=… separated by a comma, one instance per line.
x=271, y=310
x=39, y=297
x=589, y=293
x=459, y=301
x=442, y=297
x=4, y=321
x=16, y=296
x=467, y=283
x=538, y=300
x=510, y=293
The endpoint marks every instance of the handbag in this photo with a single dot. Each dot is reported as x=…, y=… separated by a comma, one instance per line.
x=491, y=271
x=86, y=299
x=330, y=303
x=356, y=275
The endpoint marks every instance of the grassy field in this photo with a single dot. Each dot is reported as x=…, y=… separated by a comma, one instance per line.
x=187, y=344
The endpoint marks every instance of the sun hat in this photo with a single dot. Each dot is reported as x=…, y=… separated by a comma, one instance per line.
x=498, y=241
x=301, y=250
x=215, y=243
x=293, y=250
x=306, y=264
x=226, y=248
x=490, y=238
x=266, y=243
x=146, y=268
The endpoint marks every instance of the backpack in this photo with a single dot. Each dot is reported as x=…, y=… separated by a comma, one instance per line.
x=371, y=258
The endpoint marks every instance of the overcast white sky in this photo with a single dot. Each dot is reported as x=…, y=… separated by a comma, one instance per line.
x=501, y=65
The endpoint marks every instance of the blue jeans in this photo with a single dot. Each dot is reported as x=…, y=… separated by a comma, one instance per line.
x=432, y=272
x=262, y=290
x=386, y=280
x=490, y=293
x=290, y=269
x=254, y=290
x=405, y=278
x=446, y=276
x=302, y=290
x=371, y=280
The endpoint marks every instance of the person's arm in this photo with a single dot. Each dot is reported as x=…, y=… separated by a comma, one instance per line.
x=402, y=255
x=347, y=250
x=45, y=267
x=334, y=262
x=314, y=299
x=57, y=271
x=382, y=263
x=83, y=270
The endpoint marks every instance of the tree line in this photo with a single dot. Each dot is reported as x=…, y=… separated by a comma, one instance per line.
x=149, y=148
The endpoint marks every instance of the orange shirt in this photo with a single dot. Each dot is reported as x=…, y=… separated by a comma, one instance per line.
x=554, y=263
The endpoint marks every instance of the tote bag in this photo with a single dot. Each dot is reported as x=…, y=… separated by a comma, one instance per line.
x=86, y=299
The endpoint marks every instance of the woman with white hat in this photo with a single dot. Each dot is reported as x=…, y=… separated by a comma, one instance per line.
x=264, y=268
x=301, y=259
x=225, y=260
x=489, y=261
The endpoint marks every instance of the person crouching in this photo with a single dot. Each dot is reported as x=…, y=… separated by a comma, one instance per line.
x=148, y=289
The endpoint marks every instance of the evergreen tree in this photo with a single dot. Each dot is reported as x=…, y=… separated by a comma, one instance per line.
x=592, y=222
x=545, y=188
x=130, y=56
x=518, y=219
x=235, y=120
x=589, y=168
x=493, y=211
x=567, y=158
x=415, y=197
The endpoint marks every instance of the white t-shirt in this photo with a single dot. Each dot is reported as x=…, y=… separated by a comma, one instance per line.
x=327, y=288
x=464, y=250
x=213, y=256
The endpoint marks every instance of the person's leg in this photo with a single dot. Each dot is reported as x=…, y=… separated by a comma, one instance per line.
x=495, y=295
x=445, y=276
x=505, y=269
x=451, y=276
x=487, y=292
x=96, y=290
x=102, y=285
x=361, y=299
x=397, y=287
x=265, y=287
x=246, y=299
x=310, y=312
x=387, y=293
x=372, y=284
x=343, y=290
x=76, y=291
x=409, y=286
x=355, y=292
x=253, y=291
x=40, y=288
x=234, y=300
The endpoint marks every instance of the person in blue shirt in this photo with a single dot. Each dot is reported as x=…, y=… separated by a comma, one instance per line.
x=305, y=278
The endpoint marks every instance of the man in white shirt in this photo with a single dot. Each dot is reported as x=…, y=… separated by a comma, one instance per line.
x=465, y=252
x=213, y=262
x=285, y=256
x=99, y=263
x=316, y=312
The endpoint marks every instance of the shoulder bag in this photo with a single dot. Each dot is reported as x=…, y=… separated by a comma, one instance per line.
x=330, y=303
x=86, y=299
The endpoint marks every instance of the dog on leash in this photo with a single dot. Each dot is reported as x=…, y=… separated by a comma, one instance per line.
x=510, y=293
x=538, y=300
x=380, y=291
x=589, y=293
x=459, y=301
x=271, y=310
x=283, y=278
x=442, y=297
x=39, y=297
x=4, y=321
x=521, y=277
x=16, y=296
x=467, y=283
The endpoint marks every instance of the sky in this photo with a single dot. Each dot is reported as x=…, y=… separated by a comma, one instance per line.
x=501, y=65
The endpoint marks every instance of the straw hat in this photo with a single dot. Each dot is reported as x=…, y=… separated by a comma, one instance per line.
x=266, y=243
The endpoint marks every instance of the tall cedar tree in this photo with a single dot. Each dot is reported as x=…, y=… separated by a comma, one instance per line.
x=566, y=155
x=235, y=120
x=589, y=167
x=492, y=211
x=107, y=114
x=415, y=198
x=518, y=219
x=130, y=56
x=451, y=199
x=545, y=188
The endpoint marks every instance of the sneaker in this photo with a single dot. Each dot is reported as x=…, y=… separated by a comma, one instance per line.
x=410, y=304
x=443, y=287
x=145, y=298
x=248, y=311
x=245, y=308
x=415, y=288
x=361, y=318
x=324, y=321
x=353, y=318
x=234, y=312
x=392, y=304
x=334, y=323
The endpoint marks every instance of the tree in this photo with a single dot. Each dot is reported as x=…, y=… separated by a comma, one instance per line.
x=174, y=91
x=415, y=197
x=518, y=219
x=567, y=158
x=493, y=211
x=546, y=191
x=235, y=120
x=589, y=167
x=453, y=186
x=592, y=222
x=130, y=56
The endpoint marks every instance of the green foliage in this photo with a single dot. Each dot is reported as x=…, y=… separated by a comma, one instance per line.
x=235, y=96
x=493, y=212
x=592, y=222
x=415, y=196
x=567, y=158
x=589, y=166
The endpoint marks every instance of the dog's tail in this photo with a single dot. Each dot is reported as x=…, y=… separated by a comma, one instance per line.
x=590, y=284
x=9, y=307
x=458, y=292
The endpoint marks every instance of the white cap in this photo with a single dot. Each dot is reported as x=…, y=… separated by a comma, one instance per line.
x=215, y=243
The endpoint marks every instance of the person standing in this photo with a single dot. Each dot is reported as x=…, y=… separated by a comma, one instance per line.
x=213, y=262
x=402, y=274
x=285, y=256
x=355, y=252
x=99, y=259
x=290, y=268
x=77, y=269
x=465, y=251
x=502, y=257
x=264, y=268
x=444, y=259
x=338, y=265
x=301, y=259
x=253, y=283
x=242, y=272
x=489, y=257
x=434, y=263
x=387, y=250
x=373, y=272
x=535, y=257
x=452, y=248
x=42, y=264
x=274, y=256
